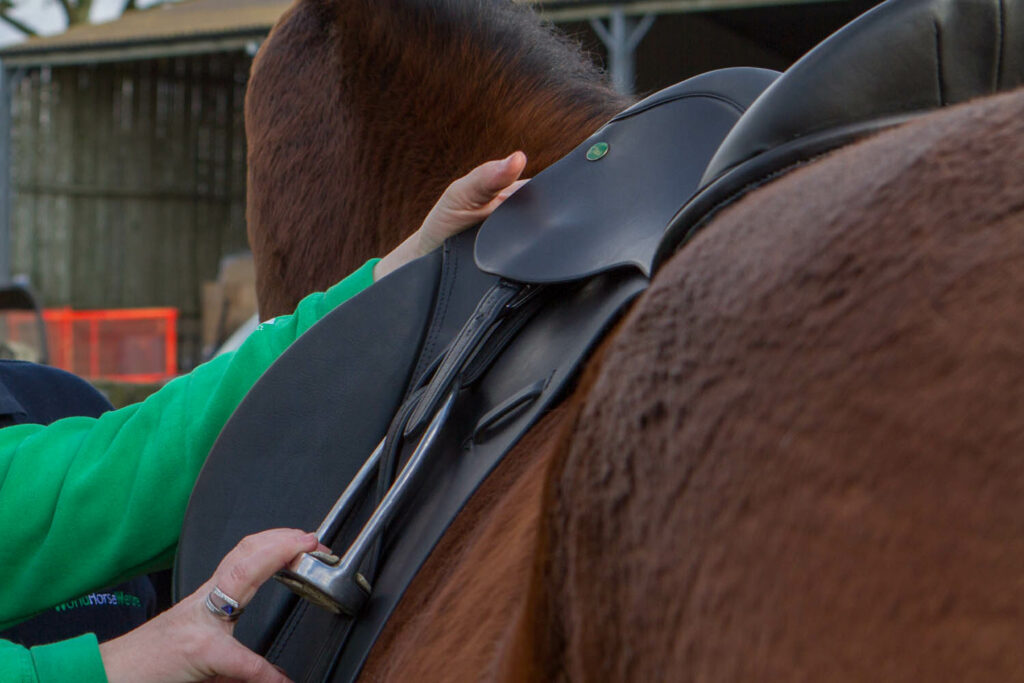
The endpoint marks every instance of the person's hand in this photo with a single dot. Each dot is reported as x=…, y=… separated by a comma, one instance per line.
x=188, y=642
x=466, y=202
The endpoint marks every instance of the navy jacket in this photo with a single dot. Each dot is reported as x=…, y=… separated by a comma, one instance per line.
x=39, y=394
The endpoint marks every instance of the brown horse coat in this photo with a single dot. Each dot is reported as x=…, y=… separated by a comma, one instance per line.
x=798, y=458
x=336, y=104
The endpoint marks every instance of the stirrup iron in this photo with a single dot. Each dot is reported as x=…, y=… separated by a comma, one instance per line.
x=336, y=583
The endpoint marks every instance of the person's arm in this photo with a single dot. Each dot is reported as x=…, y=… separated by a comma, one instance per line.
x=185, y=643
x=76, y=660
x=190, y=643
x=467, y=201
x=86, y=502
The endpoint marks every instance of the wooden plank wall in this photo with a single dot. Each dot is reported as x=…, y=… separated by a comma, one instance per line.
x=129, y=182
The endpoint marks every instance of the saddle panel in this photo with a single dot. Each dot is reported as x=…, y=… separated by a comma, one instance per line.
x=302, y=432
x=582, y=216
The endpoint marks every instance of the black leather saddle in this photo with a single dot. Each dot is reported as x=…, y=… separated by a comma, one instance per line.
x=442, y=330
x=447, y=362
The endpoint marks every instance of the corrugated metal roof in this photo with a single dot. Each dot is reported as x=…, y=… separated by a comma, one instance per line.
x=204, y=22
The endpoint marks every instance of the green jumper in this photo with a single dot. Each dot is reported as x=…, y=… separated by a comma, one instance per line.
x=88, y=502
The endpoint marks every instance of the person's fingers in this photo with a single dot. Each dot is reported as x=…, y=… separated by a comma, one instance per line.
x=256, y=558
x=237, y=662
x=469, y=200
x=480, y=186
x=465, y=202
x=511, y=189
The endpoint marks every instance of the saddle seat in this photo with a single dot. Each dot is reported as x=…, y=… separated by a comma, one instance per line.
x=901, y=59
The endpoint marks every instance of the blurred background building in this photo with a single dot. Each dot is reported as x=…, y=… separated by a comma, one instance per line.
x=130, y=133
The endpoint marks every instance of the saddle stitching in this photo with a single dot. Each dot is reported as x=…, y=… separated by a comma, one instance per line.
x=682, y=96
x=507, y=410
x=449, y=275
x=327, y=660
x=505, y=331
x=277, y=648
x=482, y=324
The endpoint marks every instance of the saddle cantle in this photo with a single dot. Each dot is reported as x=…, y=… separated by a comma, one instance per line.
x=897, y=61
x=336, y=407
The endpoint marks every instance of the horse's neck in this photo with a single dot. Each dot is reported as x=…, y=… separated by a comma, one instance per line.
x=359, y=114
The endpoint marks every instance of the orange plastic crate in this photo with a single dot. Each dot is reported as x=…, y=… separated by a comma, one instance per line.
x=127, y=344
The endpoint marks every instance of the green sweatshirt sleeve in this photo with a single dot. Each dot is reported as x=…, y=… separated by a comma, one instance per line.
x=77, y=659
x=88, y=502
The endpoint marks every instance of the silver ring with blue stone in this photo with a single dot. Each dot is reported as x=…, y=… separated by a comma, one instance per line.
x=223, y=606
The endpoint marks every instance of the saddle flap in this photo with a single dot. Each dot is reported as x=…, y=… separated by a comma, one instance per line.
x=606, y=204
x=283, y=443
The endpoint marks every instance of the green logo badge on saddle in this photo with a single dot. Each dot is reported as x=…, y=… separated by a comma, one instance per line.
x=597, y=150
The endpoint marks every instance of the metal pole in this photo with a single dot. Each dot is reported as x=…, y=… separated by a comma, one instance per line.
x=621, y=38
x=5, y=174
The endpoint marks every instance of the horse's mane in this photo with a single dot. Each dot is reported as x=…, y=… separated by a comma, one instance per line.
x=364, y=92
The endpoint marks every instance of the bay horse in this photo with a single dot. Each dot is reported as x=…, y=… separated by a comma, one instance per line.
x=796, y=459
x=791, y=460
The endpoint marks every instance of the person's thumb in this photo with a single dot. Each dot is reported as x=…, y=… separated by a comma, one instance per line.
x=484, y=183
